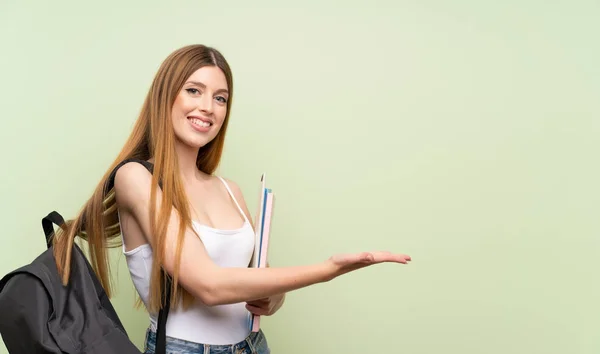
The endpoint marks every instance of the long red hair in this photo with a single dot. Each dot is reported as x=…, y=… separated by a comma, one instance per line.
x=152, y=137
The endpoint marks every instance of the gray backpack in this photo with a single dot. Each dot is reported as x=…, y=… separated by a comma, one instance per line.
x=38, y=315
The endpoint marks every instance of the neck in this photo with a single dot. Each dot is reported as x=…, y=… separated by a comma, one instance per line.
x=186, y=157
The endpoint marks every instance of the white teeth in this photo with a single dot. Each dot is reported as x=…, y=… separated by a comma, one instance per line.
x=200, y=123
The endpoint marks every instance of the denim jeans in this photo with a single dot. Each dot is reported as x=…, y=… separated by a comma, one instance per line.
x=255, y=343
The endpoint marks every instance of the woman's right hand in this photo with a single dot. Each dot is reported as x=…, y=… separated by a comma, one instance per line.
x=345, y=263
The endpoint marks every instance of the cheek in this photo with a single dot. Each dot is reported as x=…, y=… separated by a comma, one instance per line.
x=220, y=114
x=182, y=107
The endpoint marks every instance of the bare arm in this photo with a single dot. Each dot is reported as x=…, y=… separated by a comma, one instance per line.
x=209, y=282
x=273, y=302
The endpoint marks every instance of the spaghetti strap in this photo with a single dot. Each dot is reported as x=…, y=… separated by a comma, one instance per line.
x=233, y=197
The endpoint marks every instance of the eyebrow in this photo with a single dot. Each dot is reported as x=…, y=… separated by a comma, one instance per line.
x=198, y=83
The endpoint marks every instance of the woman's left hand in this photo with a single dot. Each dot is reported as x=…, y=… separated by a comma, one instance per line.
x=266, y=306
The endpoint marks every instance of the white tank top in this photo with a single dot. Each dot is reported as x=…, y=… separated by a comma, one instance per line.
x=222, y=324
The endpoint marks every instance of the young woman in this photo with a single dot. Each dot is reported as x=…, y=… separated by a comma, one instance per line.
x=184, y=221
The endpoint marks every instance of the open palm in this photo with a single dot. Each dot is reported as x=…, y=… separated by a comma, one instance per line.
x=348, y=262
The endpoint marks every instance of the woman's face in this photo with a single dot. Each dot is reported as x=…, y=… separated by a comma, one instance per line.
x=200, y=107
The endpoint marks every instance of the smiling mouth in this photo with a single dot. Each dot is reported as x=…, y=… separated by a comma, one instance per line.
x=200, y=122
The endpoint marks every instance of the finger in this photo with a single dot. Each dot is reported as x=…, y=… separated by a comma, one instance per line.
x=257, y=310
x=260, y=302
x=365, y=257
x=386, y=256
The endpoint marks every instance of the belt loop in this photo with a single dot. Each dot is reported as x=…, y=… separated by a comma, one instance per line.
x=250, y=345
x=206, y=349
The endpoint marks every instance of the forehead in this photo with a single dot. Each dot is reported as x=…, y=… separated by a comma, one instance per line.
x=210, y=76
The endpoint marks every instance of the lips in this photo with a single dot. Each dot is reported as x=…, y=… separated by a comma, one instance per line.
x=200, y=121
x=200, y=124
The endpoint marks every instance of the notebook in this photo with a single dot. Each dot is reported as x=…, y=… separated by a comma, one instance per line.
x=263, y=218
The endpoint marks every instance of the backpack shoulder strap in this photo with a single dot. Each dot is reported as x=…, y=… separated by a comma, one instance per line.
x=110, y=183
x=163, y=313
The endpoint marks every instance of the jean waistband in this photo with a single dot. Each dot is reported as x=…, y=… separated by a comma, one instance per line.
x=245, y=346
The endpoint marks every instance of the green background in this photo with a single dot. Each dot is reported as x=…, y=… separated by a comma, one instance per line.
x=463, y=133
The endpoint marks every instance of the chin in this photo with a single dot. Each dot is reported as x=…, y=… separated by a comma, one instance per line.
x=197, y=142
x=194, y=144
x=195, y=139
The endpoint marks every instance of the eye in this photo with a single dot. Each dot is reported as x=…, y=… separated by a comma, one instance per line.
x=221, y=99
x=193, y=91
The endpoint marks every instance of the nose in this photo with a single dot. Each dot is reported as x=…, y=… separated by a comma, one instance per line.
x=205, y=103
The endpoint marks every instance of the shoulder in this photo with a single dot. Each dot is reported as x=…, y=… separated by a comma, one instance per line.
x=235, y=188
x=236, y=191
x=238, y=194
x=132, y=183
